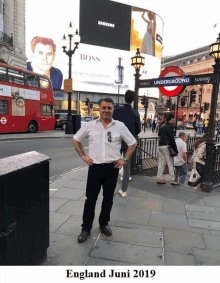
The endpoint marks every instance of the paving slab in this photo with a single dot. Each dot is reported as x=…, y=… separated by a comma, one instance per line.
x=137, y=226
x=68, y=193
x=172, y=259
x=135, y=192
x=182, y=241
x=137, y=255
x=213, y=201
x=72, y=207
x=80, y=178
x=199, y=208
x=203, y=215
x=207, y=257
x=214, y=233
x=57, y=219
x=135, y=236
x=212, y=242
x=92, y=261
x=204, y=224
x=173, y=206
x=134, y=215
x=65, y=250
x=56, y=203
x=75, y=184
x=145, y=203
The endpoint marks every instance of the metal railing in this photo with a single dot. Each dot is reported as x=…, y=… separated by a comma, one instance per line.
x=147, y=154
x=216, y=171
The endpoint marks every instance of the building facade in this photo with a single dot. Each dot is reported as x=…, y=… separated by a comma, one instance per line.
x=12, y=33
x=194, y=62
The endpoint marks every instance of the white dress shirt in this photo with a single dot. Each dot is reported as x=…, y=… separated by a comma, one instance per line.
x=101, y=149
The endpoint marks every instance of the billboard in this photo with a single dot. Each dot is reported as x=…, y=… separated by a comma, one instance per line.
x=110, y=34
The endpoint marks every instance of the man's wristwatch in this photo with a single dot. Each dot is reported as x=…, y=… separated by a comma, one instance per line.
x=125, y=159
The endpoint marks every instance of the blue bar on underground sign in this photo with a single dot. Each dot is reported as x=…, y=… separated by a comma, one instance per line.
x=172, y=81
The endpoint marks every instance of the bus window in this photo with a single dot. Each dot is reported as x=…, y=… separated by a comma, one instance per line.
x=3, y=74
x=3, y=106
x=16, y=77
x=46, y=110
x=44, y=83
x=31, y=80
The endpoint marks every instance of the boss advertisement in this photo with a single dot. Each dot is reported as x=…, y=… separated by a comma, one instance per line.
x=110, y=34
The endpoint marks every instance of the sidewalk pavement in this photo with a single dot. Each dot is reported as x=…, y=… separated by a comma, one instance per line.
x=61, y=134
x=154, y=225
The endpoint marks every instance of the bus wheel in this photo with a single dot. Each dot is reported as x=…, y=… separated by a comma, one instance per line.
x=32, y=127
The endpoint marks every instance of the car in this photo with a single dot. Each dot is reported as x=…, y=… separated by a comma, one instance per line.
x=60, y=120
x=180, y=126
x=86, y=119
x=189, y=125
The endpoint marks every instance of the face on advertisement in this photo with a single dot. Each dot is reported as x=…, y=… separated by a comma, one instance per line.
x=43, y=57
x=106, y=111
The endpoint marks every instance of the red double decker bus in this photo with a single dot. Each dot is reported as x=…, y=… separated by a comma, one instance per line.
x=26, y=101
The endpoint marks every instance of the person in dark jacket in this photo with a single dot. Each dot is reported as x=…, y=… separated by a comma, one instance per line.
x=131, y=118
x=166, y=136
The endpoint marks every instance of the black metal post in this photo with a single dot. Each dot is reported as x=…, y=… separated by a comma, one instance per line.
x=200, y=102
x=69, y=53
x=137, y=76
x=207, y=184
x=177, y=108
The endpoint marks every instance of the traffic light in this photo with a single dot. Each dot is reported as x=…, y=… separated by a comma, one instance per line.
x=201, y=109
x=192, y=96
x=183, y=101
x=168, y=103
x=206, y=106
x=87, y=101
x=144, y=101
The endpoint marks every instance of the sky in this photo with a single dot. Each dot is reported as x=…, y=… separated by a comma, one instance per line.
x=188, y=24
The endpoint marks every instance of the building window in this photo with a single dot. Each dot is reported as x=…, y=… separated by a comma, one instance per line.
x=31, y=80
x=3, y=106
x=16, y=77
x=46, y=110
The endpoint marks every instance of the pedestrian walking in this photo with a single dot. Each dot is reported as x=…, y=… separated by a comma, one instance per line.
x=104, y=160
x=199, y=158
x=195, y=126
x=153, y=125
x=142, y=124
x=166, y=140
x=206, y=125
x=131, y=118
x=200, y=127
x=180, y=161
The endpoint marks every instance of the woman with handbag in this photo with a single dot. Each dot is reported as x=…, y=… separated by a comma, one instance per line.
x=199, y=158
x=167, y=149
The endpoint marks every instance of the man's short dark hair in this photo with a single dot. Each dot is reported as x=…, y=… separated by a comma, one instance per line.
x=107, y=99
x=129, y=96
x=170, y=116
x=182, y=134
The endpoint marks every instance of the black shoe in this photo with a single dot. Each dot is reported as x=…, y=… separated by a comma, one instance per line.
x=83, y=236
x=106, y=230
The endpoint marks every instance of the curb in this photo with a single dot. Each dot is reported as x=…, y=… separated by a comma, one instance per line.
x=35, y=138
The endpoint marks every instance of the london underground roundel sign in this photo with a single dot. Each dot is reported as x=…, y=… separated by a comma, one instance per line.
x=172, y=71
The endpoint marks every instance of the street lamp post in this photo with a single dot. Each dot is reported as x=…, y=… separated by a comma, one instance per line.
x=137, y=61
x=69, y=53
x=207, y=185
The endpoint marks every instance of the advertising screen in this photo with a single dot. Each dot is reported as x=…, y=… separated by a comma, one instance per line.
x=110, y=34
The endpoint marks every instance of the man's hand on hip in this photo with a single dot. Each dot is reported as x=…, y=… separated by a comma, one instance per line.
x=88, y=160
x=119, y=163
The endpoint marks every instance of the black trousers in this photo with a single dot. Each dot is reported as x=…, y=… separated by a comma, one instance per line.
x=104, y=175
x=200, y=169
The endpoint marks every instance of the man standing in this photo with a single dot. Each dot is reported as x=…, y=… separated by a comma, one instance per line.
x=43, y=52
x=180, y=160
x=131, y=118
x=206, y=125
x=104, y=161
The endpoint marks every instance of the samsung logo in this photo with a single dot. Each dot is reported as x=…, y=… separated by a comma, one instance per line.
x=106, y=24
